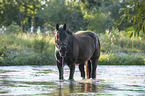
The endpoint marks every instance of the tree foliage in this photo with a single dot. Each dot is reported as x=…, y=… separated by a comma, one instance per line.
x=23, y=12
x=59, y=11
x=8, y=12
x=91, y=4
x=135, y=14
x=95, y=15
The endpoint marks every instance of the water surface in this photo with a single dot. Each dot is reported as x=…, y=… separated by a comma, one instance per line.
x=43, y=80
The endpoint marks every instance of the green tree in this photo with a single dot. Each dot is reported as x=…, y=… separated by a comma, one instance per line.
x=23, y=12
x=91, y=4
x=28, y=10
x=97, y=14
x=135, y=13
x=63, y=12
x=8, y=12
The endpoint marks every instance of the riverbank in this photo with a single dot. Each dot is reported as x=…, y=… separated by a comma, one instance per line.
x=121, y=58
x=20, y=59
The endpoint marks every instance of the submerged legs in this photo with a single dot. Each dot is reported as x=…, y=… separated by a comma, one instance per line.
x=60, y=68
x=89, y=69
x=72, y=69
x=81, y=68
x=94, y=66
x=91, y=66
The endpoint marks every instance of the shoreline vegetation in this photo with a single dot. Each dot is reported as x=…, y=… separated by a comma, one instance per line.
x=33, y=49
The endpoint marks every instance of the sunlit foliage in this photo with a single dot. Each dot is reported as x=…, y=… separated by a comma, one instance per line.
x=135, y=14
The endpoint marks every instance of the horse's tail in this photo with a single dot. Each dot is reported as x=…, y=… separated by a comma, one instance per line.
x=88, y=69
x=99, y=43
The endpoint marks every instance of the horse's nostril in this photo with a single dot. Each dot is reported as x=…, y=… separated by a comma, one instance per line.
x=63, y=48
x=62, y=51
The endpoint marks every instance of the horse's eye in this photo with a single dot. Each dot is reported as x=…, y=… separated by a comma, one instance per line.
x=57, y=41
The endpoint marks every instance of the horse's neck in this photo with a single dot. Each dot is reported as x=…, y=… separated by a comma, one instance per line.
x=72, y=47
x=70, y=41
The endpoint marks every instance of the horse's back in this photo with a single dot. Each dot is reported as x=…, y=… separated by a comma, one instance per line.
x=86, y=33
x=88, y=42
x=83, y=34
x=86, y=36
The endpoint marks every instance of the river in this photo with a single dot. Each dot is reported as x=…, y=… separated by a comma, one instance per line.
x=43, y=81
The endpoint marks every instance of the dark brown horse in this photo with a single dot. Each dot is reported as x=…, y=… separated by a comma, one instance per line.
x=76, y=48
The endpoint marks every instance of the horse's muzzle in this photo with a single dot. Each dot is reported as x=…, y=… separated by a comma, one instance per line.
x=62, y=51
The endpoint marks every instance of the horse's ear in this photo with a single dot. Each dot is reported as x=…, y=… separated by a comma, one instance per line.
x=57, y=26
x=64, y=27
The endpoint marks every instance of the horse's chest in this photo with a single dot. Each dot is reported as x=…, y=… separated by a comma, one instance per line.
x=68, y=60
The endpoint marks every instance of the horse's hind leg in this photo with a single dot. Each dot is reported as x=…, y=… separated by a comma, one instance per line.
x=88, y=69
x=81, y=68
x=94, y=66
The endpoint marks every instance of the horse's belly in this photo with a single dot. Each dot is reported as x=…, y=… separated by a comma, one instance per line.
x=86, y=52
x=84, y=57
x=81, y=61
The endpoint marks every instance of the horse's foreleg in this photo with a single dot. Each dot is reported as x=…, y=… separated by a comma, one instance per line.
x=94, y=66
x=81, y=68
x=72, y=69
x=60, y=68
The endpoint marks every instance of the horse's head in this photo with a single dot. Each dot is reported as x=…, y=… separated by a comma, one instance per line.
x=61, y=38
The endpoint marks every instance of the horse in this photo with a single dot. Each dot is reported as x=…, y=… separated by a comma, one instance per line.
x=76, y=48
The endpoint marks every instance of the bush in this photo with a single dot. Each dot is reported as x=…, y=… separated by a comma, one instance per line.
x=27, y=59
x=26, y=49
x=117, y=59
x=115, y=41
x=13, y=28
x=39, y=44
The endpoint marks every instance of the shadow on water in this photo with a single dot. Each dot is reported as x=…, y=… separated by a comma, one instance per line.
x=43, y=80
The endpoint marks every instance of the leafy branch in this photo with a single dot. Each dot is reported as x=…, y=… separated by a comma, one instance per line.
x=135, y=13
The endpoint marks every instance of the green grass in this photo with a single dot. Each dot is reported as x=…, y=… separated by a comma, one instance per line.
x=33, y=49
x=116, y=59
x=27, y=59
x=26, y=49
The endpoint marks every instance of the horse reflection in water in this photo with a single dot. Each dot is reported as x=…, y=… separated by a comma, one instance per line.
x=77, y=89
x=87, y=87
